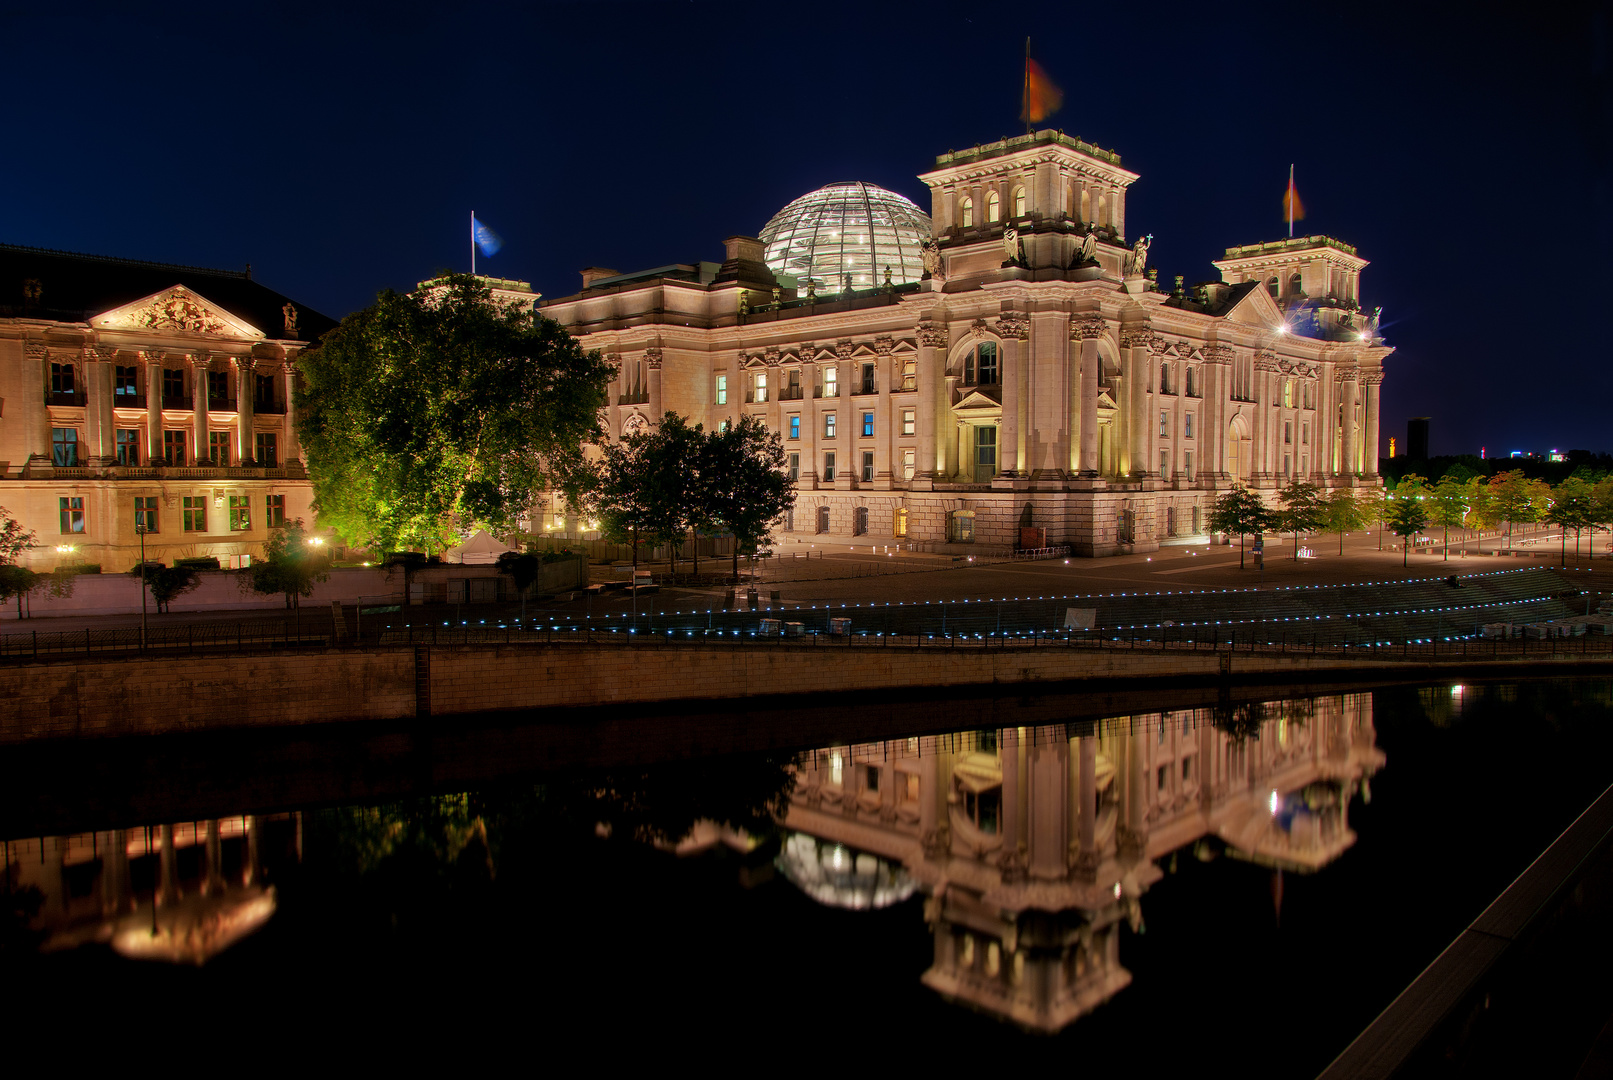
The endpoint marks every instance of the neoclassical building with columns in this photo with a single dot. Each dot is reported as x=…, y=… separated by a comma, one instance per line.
x=1027, y=383
x=142, y=393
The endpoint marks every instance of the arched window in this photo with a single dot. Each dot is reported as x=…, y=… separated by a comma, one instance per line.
x=859, y=521
x=1272, y=287
x=961, y=528
x=1295, y=286
x=966, y=213
x=901, y=523
x=980, y=365
x=1019, y=202
x=1086, y=206
x=823, y=519
x=994, y=208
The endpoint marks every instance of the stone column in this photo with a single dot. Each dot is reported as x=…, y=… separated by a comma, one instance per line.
x=932, y=340
x=652, y=361
x=99, y=433
x=1348, y=399
x=213, y=882
x=1088, y=330
x=168, y=889
x=1086, y=861
x=1373, y=381
x=1141, y=376
x=153, y=362
x=1014, y=330
x=198, y=392
x=1213, y=418
x=1049, y=767
x=35, y=415
x=1261, y=437
x=291, y=450
x=1010, y=753
x=884, y=428
x=245, y=390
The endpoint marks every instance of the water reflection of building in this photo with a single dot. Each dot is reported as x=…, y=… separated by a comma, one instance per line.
x=182, y=892
x=1032, y=845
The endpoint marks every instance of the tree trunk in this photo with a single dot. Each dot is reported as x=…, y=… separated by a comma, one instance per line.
x=694, y=536
x=1447, y=543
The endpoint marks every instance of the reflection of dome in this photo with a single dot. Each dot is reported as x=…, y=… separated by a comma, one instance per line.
x=836, y=876
x=855, y=229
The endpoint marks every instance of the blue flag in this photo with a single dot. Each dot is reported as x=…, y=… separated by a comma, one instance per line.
x=486, y=239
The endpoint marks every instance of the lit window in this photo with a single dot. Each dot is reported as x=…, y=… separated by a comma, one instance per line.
x=795, y=427
x=64, y=446
x=722, y=426
x=1019, y=202
x=274, y=510
x=1164, y=423
x=901, y=527
x=962, y=528
x=993, y=208
x=194, y=510
x=240, y=513
x=966, y=212
x=908, y=421
x=868, y=467
x=868, y=425
x=218, y=447
x=761, y=386
x=71, y=508
x=828, y=425
x=831, y=381
x=722, y=389
x=145, y=513
x=173, y=447
x=128, y=446
x=909, y=456
x=829, y=466
x=1288, y=393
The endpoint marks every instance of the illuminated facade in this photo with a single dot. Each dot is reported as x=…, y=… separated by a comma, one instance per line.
x=1033, y=845
x=141, y=391
x=1035, y=383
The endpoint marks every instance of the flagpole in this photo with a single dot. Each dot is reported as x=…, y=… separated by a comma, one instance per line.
x=473, y=241
x=1290, y=201
x=1025, y=95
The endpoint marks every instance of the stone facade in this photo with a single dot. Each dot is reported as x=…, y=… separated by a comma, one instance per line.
x=1037, y=377
x=171, y=385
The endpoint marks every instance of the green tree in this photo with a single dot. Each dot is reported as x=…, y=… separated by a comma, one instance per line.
x=1512, y=497
x=287, y=566
x=523, y=567
x=1303, y=511
x=1602, y=510
x=442, y=410
x=168, y=583
x=648, y=485
x=1239, y=512
x=1447, y=506
x=1405, y=515
x=14, y=539
x=1573, y=506
x=1343, y=513
x=1481, y=513
x=742, y=478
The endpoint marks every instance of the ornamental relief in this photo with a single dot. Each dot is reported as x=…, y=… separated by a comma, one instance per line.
x=1013, y=327
x=1216, y=354
x=177, y=312
x=931, y=336
x=1088, y=328
x=652, y=359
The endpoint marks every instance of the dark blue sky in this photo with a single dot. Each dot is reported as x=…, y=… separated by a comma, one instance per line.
x=1465, y=149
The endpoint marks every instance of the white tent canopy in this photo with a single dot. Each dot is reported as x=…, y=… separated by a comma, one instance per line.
x=480, y=550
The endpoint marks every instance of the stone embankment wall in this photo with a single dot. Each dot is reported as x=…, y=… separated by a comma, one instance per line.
x=75, y=698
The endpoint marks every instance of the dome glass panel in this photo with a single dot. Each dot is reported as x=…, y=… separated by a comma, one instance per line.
x=857, y=229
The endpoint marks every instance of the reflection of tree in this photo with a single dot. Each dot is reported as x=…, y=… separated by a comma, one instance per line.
x=1240, y=722
x=17, y=909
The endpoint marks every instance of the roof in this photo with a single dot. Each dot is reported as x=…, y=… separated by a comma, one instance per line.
x=73, y=287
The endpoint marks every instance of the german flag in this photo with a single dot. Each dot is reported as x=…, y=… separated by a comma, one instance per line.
x=1042, y=97
x=1291, y=204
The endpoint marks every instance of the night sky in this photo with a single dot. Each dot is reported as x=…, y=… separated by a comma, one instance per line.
x=1464, y=149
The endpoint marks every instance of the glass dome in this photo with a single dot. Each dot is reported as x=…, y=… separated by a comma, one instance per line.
x=856, y=228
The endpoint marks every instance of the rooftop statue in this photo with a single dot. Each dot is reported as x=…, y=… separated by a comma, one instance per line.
x=290, y=312
x=1012, y=248
x=1089, y=247
x=930, y=252
x=1139, y=256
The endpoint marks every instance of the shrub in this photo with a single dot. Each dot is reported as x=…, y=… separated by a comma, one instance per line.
x=198, y=562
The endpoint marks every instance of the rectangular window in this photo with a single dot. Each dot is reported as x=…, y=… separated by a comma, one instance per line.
x=64, y=446
x=1164, y=423
x=72, y=512
x=274, y=510
x=173, y=447
x=831, y=382
x=1287, y=458
x=793, y=387
x=1192, y=382
x=1164, y=465
x=218, y=386
x=61, y=379
x=868, y=378
x=868, y=425
x=263, y=393
x=128, y=446
x=722, y=426
x=909, y=456
x=900, y=529
x=868, y=467
x=1288, y=393
x=218, y=447
x=722, y=389
x=194, y=510
x=910, y=374
x=761, y=386
x=1305, y=433
x=795, y=427
x=145, y=513
x=240, y=513
x=1187, y=466
x=828, y=425
x=829, y=466
x=795, y=466
x=268, y=449
x=173, y=387
x=1164, y=378
x=1288, y=432
x=908, y=421
x=1187, y=425
x=125, y=385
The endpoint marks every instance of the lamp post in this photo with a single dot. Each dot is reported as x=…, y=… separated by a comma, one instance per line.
x=140, y=531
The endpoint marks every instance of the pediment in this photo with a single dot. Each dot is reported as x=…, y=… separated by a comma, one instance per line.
x=979, y=397
x=1106, y=400
x=1257, y=308
x=177, y=310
